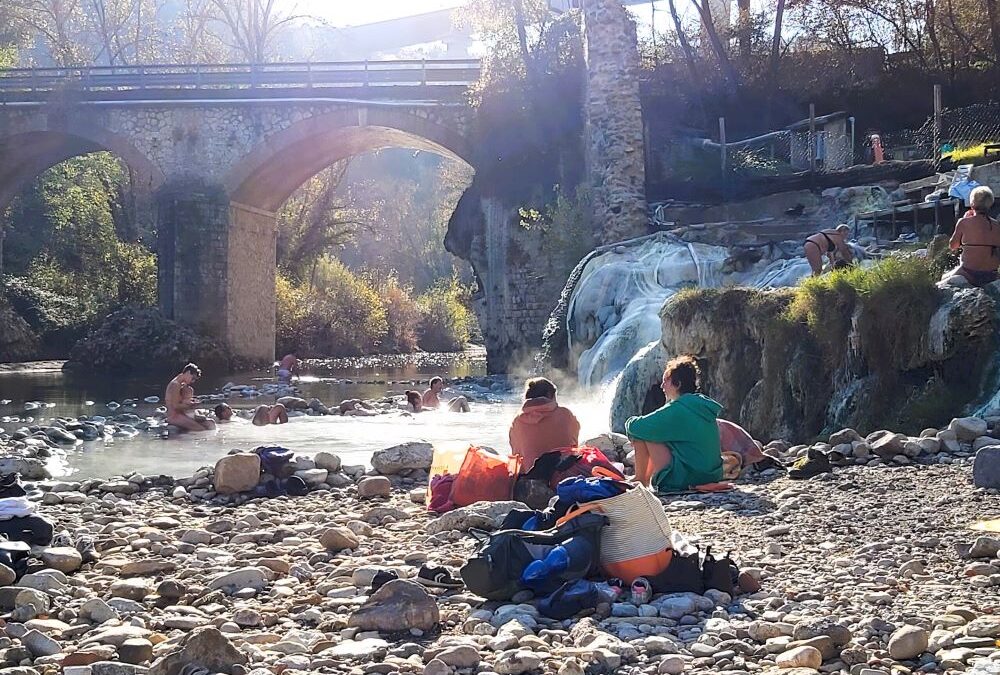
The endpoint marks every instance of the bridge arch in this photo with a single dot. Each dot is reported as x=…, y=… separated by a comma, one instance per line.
x=26, y=154
x=266, y=177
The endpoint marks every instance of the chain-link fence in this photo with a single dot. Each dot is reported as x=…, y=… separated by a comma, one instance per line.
x=812, y=153
x=961, y=135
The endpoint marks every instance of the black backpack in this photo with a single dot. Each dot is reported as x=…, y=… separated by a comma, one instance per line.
x=494, y=572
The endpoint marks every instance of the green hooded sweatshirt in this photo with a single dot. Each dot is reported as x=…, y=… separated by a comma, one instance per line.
x=688, y=427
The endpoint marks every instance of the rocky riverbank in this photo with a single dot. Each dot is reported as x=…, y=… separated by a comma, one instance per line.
x=870, y=568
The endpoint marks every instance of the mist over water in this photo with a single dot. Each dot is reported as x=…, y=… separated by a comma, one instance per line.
x=353, y=438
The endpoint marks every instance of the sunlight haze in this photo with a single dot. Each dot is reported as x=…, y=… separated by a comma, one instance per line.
x=348, y=13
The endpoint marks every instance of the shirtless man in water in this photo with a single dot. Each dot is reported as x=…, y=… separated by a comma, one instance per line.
x=833, y=244
x=180, y=401
x=432, y=398
x=978, y=236
x=288, y=366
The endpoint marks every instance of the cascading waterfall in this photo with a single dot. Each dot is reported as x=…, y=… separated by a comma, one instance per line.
x=613, y=313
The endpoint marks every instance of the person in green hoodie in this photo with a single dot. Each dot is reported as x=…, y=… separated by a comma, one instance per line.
x=677, y=446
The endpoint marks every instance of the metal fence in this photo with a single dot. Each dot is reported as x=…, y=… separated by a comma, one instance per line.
x=961, y=135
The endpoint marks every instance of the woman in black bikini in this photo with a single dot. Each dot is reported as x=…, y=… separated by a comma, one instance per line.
x=832, y=243
x=978, y=236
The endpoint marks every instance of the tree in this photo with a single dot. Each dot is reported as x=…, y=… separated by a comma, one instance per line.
x=729, y=73
x=126, y=32
x=59, y=23
x=250, y=27
x=316, y=221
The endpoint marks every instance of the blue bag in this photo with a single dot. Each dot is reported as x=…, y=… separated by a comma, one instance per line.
x=579, y=490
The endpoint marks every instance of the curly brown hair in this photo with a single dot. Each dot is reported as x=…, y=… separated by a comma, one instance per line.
x=684, y=372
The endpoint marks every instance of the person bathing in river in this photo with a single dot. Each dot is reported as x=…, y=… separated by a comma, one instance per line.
x=432, y=398
x=833, y=244
x=223, y=413
x=180, y=401
x=288, y=366
x=414, y=401
x=270, y=414
x=677, y=446
x=542, y=425
x=978, y=236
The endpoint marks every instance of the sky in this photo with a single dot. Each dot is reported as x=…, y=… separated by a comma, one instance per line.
x=354, y=12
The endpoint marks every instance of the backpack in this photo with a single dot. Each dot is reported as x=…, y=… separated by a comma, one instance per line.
x=494, y=572
x=276, y=460
x=720, y=574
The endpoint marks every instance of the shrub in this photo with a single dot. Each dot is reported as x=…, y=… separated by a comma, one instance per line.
x=447, y=323
x=336, y=314
x=58, y=320
x=403, y=316
x=141, y=340
x=893, y=301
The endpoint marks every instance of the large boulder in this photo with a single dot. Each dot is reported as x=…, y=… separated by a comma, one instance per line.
x=66, y=559
x=205, y=647
x=968, y=429
x=396, y=607
x=374, y=486
x=17, y=341
x=986, y=468
x=237, y=473
x=29, y=467
x=405, y=457
x=908, y=642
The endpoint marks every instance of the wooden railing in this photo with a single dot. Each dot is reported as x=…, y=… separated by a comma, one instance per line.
x=338, y=75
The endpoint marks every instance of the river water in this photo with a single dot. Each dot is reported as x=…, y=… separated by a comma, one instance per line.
x=353, y=438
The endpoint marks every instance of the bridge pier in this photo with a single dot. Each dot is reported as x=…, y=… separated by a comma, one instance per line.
x=216, y=266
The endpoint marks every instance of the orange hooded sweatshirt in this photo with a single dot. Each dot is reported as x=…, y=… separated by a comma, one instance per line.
x=540, y=427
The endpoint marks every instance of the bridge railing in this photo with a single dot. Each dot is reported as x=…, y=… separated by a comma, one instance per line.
x=336, y=74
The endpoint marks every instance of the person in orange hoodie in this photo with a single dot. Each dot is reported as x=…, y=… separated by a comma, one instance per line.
x=542, y=425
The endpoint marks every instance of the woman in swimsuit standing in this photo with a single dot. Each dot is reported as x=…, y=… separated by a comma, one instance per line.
x=978, y=236
x=833, y=243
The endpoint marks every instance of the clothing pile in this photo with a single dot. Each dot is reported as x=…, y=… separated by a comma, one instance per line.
x=18, y=520
x=278, y=473
x=486, y=475
x=597, y=538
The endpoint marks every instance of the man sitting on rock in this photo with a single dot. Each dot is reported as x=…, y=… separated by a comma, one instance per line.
x=677, y=447
x=432, y=398
x=978, y=236
x=180, y=401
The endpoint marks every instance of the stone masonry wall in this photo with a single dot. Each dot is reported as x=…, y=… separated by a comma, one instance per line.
x=250, y=283
x=193, y=242
x=613, y=136
x=521, y=276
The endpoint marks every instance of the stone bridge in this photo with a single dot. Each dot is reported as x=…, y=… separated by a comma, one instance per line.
x=214, y=153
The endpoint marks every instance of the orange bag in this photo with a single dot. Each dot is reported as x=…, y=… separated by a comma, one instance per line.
x=485, y=476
